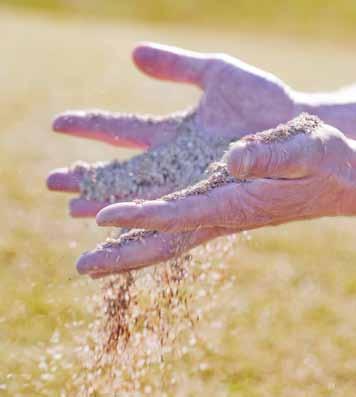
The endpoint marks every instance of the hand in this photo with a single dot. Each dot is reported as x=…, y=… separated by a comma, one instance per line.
x=300, y=171
x=237, y=99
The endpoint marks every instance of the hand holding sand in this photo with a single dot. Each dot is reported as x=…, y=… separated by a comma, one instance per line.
x=237, y=99
x=302, y=170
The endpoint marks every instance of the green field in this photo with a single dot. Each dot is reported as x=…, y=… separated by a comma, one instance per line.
x=318, y=17
x=287, y=325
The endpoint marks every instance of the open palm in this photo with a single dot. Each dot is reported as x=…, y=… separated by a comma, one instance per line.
x=237, y=100
x=302, y=170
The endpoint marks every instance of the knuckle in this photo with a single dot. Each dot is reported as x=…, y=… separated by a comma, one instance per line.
x=231, y=209
x=234, y=158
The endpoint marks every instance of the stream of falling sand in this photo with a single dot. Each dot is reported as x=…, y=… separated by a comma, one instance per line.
x=146, y=318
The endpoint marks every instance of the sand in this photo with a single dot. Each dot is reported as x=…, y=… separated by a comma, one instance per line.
x=147, y=315
x=169, y=167
x=303, y=124
x=174, y=166
x=216, y=173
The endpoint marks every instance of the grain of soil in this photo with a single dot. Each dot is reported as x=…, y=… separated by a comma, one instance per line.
x=145, y=322
x=303, y=124
x=146, y=312
x=169, y=167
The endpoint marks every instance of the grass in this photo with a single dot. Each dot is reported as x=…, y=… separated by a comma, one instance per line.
x=318, y=17
x=284, y=325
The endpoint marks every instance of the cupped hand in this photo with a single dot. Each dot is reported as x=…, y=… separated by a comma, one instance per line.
x=237, y=99
x=305, y=169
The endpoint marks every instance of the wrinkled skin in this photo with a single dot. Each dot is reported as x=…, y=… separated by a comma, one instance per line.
x=237, y=100
x=306, y=176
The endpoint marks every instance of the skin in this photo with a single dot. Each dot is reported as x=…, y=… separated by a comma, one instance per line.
x=306, y=176
x=232, y=94
x=237, y=99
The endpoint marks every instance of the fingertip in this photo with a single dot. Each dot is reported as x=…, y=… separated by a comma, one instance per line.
x=60, y=122
x=117, y=214
x=170, y=63
x=55, y=123
x=82, y=264
x=103, y=217
x=52, y=179
x=72, y=121
x=143, y=56
x=100, y=262
x=90, y=262
x=61, y=179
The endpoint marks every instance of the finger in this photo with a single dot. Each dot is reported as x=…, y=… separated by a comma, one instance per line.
x=64, y=180
x=171, y=63
x=187, y=212
x=148, y=249
x=82, y=208
x=122, y=130
x=271, y=155
x=241, y=206
x=88, y=208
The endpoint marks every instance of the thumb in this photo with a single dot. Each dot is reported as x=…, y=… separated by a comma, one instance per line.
x=287, y=151
x=171, y=63
x=287, y=159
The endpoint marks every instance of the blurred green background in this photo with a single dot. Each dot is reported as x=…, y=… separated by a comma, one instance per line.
x=317, y=17
x=287, y=324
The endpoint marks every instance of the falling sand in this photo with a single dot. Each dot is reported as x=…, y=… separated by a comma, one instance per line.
x=145, y=318
x=147, y=323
